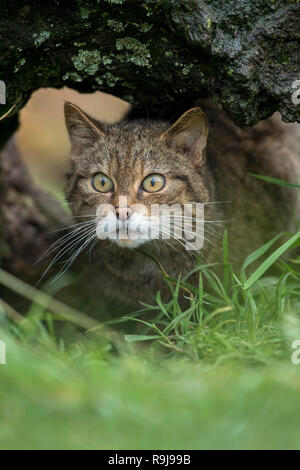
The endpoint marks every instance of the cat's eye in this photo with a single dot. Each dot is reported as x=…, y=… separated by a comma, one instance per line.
x=154, y=183
x=102, y=183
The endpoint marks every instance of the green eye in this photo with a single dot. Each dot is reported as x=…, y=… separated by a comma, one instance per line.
x=102, y=183
x=153, y=183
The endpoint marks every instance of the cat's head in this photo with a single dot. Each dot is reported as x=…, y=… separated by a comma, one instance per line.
x=122, y=175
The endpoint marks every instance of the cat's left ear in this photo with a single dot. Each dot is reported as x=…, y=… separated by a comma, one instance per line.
x=83, y=129
x=189, y=134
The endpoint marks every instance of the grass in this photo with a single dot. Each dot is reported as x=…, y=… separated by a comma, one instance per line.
x=214, y=374
x=87, y=399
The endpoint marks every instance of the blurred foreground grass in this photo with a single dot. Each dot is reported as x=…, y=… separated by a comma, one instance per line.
x=89, y=399
x=217, y=374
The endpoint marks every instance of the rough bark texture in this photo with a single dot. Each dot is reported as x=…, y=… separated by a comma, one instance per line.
x=160, y=55
x=28, y=216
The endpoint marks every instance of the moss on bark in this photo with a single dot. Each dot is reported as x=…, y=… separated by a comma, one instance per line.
x=158, y=55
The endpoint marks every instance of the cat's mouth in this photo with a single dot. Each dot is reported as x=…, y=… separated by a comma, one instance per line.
x=139, y=229
x=125, y=233
x=129, y=243
x=131, y=240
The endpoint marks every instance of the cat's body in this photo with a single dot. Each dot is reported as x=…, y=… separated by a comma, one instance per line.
x=251, y=210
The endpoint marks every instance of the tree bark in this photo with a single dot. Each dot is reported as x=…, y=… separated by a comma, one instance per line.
x=28, y=216
x=160, y=55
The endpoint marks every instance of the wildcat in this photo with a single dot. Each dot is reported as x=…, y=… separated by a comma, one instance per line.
x=119, y=171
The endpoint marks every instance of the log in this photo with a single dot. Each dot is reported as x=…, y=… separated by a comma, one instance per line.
x=158, y=55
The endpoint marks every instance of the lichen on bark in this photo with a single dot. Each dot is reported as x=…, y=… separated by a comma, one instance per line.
x=159, y=55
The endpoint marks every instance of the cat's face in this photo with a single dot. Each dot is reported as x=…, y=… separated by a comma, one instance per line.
x=125, y=177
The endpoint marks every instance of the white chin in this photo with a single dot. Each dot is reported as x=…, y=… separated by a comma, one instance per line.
x=127, y=243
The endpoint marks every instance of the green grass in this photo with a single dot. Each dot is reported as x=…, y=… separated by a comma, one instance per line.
x=86, y=399
x=215, y=374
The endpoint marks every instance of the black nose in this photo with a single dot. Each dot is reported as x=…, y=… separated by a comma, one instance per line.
x=123, y=213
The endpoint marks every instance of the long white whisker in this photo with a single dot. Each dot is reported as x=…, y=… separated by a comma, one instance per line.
x=210, y=231
x=91, y=249
x=176, y=239
x=71, y=260
x=66, y=249
x=183, y=217
x=205, y=239
x=58, y=243
x=74, y=225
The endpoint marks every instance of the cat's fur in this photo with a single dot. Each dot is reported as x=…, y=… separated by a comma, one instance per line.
x=213, y=171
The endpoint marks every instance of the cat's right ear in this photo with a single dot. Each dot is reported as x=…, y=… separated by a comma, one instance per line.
x=189, y=135
x=82, y=129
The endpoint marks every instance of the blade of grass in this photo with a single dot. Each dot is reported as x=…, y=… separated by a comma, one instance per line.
x=136, y=338
x=260, y=251
x=271, y=260
x=279, y=182
x=37, y=296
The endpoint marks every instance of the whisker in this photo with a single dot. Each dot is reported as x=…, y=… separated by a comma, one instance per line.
x=176, y=239
x=204, y=239
x=71, y=226
x=71, y=260
x=210, y=231
x=60, y=242
x=216, y=202
x=66, y=249
x=183, y=217
x=70, y=217
x=188, y=243
x=91, y=249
